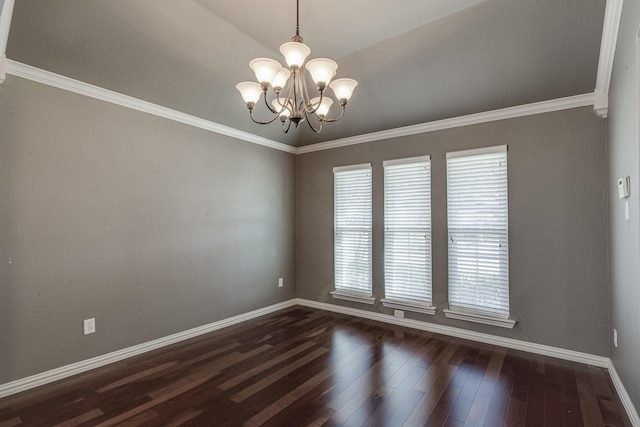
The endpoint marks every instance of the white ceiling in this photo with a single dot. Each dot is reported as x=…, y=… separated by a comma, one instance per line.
x=416, y=61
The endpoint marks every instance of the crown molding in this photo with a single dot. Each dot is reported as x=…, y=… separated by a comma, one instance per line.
x=3, y=68
x=65, y=83
x=610, y=28
x=471, y=119
x=601, y=104
x=5, y=23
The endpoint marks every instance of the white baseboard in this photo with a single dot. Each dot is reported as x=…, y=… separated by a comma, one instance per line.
x=96, y=362
x=56, y=374
x=624, y=396
x=545, y=350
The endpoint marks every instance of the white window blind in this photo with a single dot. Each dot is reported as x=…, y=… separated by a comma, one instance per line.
x=407, y=230
x=352, y=230
x=477, y=217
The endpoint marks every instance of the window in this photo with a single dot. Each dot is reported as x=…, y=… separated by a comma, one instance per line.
x=407, y=234
x=353, y=233
x=478, y=236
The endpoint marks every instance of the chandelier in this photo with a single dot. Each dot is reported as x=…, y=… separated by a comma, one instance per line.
x=291, y=102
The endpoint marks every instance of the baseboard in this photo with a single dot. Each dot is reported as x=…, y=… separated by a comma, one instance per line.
x=96, y=362
x=624, y=396
x=56, y=374
x=545, y=350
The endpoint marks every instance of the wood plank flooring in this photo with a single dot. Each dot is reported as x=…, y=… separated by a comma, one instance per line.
x=306, y=367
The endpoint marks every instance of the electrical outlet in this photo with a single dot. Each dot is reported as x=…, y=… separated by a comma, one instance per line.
x=398, y=313
x=280, y=282
x=615, y=337
x=89, y=326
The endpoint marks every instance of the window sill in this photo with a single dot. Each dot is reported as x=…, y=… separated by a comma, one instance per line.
x=409, y=306
x=480, y=318
x=355, y=297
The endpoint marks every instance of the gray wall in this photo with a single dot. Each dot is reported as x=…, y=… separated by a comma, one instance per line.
x=150, y=226
x=557, y=221
x=624, y=235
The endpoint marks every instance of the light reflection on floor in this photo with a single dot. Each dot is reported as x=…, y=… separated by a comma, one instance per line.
x=375, y=375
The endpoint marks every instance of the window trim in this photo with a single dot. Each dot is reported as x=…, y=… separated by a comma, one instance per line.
x=406, y=160
x=408, y=304
x=345, y=294
x=462, y=313
x=478, y=317
x=352, y=167
x=353, y=296
x=476, y=151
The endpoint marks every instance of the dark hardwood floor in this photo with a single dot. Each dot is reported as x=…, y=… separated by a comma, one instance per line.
x=303, y=367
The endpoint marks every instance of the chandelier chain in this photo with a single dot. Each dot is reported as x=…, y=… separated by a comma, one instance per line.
x=298, y=18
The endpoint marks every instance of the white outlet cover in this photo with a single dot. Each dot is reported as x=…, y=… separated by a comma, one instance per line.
x=89, y=326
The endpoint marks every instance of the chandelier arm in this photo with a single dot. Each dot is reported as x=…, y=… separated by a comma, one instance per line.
x=337, y=118
x=291, y=86
x=307, y=99
x=311, y=110
x=284, y=104
x=261, y=122
x=290, y=90
x=264, y=93
x=298, y=91
x=285, y=129
x=319, y=129
x=305, y=90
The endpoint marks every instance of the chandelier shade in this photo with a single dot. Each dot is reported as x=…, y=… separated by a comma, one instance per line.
x=250, y=91
x=287, y=87
x=281, y=78
x=343, y=88
x=265, y=69
x=294, y=53
x=322, y=107
x=322, y=70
